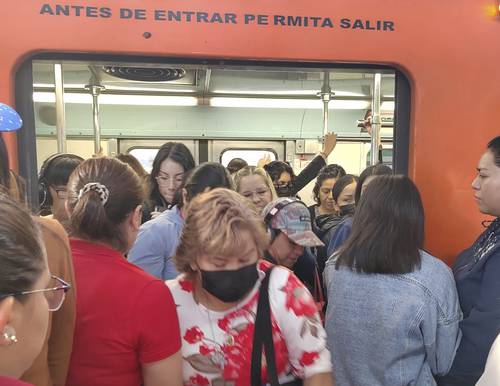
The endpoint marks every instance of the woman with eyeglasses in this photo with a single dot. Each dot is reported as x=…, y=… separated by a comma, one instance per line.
x=126, y=333
x=154, y=248
x=52, y=180
x=51, y=366
x=27, y=292
x=255, y=184
x=170, y=166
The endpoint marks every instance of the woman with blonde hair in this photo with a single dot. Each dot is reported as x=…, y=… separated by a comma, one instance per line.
x=255, y=184
x=228, y=299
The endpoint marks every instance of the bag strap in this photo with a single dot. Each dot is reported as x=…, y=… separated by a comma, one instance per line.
x=318, y=289
x=263, y=338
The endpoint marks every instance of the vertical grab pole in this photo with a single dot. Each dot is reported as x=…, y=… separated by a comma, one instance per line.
x=376, y=122
x=95, y=90
x=60, y=109
x=326, y=96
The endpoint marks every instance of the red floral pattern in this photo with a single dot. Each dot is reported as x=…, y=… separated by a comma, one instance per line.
x=205, y=350
x=193, y=335
x=217, y=347
x=186, y=285
x=298, y=298
x=198, y=380
x=308, y=358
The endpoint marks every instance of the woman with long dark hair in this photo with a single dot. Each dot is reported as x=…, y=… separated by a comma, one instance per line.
x=154, y=248
x=342, y=231
x=393, y=312
x=170, y=166
x=286, y=183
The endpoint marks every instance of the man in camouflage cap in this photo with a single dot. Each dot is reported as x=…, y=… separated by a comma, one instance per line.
x=289, y=222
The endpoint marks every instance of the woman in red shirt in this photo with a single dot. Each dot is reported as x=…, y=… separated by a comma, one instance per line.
x=27, y=292
x=126, y=332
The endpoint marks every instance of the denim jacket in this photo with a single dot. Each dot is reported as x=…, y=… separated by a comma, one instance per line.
x=156, y=243
x=392, y=329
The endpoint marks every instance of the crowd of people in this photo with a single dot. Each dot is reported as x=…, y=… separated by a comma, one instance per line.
x=206, y=275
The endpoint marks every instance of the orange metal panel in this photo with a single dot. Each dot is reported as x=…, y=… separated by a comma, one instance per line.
x=448, y=50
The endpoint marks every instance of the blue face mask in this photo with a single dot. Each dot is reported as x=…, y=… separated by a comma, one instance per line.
x=230, y=286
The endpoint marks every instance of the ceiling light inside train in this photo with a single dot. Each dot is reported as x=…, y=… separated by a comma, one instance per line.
x=108, y=99
x=44, y=87
x=286, y=92
x=267, y=103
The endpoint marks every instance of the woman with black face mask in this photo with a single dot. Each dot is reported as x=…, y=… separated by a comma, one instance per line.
x=286, y=183
x=217, y=297
x=342, y=196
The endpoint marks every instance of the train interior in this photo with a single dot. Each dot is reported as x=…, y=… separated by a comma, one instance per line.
x=220, y=111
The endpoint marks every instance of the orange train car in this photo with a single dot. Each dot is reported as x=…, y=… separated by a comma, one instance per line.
x=444, y=56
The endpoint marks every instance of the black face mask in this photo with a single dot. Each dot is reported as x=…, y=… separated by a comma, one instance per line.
x=284, y=190
x=347, y=210
x=230, y=286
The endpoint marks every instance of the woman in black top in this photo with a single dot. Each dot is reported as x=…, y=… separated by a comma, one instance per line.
x=477, y=273
x=286, y=183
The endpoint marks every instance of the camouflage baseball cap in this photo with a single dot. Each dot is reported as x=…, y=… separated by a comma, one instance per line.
x=291, y=217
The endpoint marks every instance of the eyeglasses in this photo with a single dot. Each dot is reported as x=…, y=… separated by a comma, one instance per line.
x=55, y=294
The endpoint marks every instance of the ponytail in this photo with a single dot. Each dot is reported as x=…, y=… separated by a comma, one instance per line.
x=102, y=192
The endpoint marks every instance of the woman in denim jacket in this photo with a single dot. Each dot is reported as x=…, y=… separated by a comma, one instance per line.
x=393, y=310
x=477, y=273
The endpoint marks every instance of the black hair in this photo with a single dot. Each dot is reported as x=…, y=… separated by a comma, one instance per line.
x=4, y=165
x=327, y=172
x=236, y=164
x=388, y=228
x=57, y=168
x=374, y=170
x=341, y=183
x=209, y=175
x=494, y=147
x=276, y=168
x=22, y=256
x=177, y=152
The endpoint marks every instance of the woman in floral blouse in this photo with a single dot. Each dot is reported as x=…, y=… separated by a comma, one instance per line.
x=216, y=295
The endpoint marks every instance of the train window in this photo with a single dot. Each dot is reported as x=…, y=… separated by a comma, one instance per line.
x=251, y=156
x=145, y=156
x=137, y=100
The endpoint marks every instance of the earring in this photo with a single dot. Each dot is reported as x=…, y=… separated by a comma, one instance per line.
x=10, y=336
